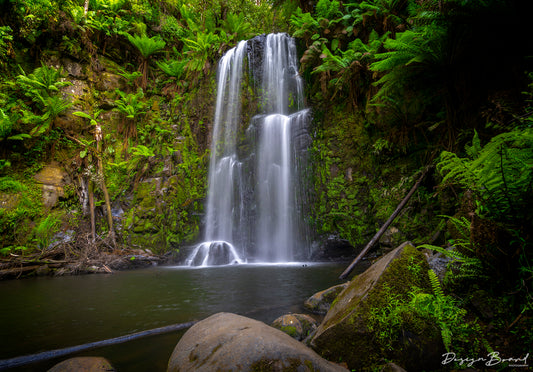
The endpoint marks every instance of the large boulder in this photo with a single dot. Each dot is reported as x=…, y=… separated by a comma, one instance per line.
x=353, y=329
x=229, y=342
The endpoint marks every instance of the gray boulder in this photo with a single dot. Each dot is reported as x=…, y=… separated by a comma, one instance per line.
x=320, y=302
x=229, y=342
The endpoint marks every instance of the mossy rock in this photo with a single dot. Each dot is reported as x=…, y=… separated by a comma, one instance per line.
x=298, y=326
x=320, y=302
x=347, y=332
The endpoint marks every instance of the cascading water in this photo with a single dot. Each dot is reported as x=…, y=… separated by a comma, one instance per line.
x=254, y=203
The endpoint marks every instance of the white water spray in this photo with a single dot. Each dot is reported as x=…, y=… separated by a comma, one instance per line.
x=252, y=203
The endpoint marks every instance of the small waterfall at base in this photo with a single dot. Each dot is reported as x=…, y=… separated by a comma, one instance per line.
x=255, y=199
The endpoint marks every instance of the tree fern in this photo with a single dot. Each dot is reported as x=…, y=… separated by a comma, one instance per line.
x=43, y=87
x=412, y=55
x=131, y=106
x=500, y=174
x=147, y=46
x=43, y=81
x=200, y=50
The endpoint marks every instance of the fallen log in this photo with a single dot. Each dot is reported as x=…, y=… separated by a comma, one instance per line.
x=16, y=271
x=46, y=355
x=385, y=226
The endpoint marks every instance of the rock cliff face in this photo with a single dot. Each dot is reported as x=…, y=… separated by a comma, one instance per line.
x=157, y=197
x=349, y=331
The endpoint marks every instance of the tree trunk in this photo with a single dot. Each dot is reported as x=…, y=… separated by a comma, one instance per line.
x=385, y=226
x=91, y=210
x=111, y=233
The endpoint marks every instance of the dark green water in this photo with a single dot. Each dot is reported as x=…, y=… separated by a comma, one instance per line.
x=50, y=313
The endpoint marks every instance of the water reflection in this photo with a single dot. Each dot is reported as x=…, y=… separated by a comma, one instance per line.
x=49, y=313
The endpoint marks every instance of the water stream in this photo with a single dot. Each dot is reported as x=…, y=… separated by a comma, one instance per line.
x=254, y=204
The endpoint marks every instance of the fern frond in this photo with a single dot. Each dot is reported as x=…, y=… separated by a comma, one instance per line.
x=435, y=284
x=146, y=45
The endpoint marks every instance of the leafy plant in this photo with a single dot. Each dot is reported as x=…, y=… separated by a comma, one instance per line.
x=8, y=184
x=304, y=23
x=6, y=127
x=445, y=311
x=174, y=68
x=200, y=50
x=327, y=9
x=236, y=27
x=6, y=45
x=465, y=265
x=43, y=86
x=131, y=106
x=141, y=150
x=499, y=173
x=147, y=46
x=45, y=230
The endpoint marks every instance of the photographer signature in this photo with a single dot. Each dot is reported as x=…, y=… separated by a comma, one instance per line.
x=492, y=359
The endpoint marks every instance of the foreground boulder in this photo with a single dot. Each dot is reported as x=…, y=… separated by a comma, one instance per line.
x=229, y=342
x=83, y=364
x=357, y=329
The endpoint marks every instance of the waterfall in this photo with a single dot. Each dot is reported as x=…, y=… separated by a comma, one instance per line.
x=254, y=205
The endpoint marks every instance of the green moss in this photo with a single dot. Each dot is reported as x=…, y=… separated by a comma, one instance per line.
x=374, y=323
x=290, y=330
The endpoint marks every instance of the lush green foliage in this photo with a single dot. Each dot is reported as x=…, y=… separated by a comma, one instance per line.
x=499, y=173
x=149, y=119
x=445, y=311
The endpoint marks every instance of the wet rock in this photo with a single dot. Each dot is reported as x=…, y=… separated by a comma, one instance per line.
x=346, y=330
x=438, y=262
x=74, y=69
x=229, y=342
x=334, y=248
x=320, y=302
x=298, y=326
x=83, y=364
